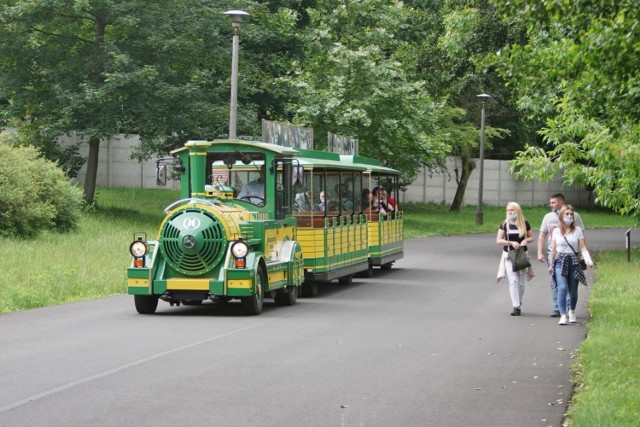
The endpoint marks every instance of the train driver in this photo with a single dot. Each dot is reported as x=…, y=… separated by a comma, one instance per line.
x=253, y=191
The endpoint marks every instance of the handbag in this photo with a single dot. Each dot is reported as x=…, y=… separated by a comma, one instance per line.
x=519, y=258
x=583, y=263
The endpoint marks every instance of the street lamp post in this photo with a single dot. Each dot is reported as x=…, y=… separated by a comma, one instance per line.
x=479, y=214
x=236, y=19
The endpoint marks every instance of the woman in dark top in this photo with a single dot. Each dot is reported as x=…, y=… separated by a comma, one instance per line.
x=514, y=232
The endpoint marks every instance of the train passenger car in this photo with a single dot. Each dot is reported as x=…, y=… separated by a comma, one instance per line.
x=340, y=234
x=258, y=220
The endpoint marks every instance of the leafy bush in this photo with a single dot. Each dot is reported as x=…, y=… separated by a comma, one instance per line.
x=34, y=193
x=66, y=157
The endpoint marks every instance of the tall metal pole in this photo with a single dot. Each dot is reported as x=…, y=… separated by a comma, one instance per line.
x=479, y=214
x=236, y=19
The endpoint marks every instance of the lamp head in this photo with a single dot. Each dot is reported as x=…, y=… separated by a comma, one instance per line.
x=483, y=96
x=236, y=16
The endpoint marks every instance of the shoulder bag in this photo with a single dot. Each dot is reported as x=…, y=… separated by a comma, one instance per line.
x=519, y=258
x=583, y=263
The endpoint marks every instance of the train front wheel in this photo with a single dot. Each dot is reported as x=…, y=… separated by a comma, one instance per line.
x=253, y=305
x=146, y=304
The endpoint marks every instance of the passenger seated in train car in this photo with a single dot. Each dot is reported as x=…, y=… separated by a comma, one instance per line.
x=346, y=196
x=377, y=206
x=390, y=201
x=326, y=204
x=302, y=201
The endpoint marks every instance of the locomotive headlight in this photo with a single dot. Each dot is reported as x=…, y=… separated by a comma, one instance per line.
x=138, y=249
x=239, y=249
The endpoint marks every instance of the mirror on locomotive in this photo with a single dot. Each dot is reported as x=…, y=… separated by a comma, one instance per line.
x=284, y=187
x=162, y=169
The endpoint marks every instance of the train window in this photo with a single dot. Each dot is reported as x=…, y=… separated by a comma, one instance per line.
x=242, y=172
x=302, y=189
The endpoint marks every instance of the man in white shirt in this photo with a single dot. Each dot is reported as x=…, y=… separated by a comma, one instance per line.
x=550, y=223
x=253, y=191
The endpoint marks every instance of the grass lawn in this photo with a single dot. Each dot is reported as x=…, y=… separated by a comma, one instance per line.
x=89, y=263
x=607, y=369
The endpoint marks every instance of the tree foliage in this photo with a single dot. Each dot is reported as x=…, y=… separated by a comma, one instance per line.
x=355, y=81
x=579, y=74
x=396, y=75
x=106, y=67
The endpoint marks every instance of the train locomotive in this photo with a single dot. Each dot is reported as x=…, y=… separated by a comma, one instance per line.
x=240, y=231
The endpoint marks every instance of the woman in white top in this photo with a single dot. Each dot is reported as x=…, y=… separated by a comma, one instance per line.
x=567, y=241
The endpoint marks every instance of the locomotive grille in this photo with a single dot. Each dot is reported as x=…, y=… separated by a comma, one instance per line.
x=193, y=241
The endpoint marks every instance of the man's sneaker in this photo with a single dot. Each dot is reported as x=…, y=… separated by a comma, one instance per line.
x=572, y=316
x=516, y=311
x=563, y=320
x=555, y=313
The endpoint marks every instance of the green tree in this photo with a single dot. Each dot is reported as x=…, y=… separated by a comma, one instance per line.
x=106, y=67
x=354, y=82
x=469, y=31
x=579, y=74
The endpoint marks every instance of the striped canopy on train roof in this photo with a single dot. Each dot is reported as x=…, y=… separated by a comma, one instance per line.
x=370, y=164
x=279, y=149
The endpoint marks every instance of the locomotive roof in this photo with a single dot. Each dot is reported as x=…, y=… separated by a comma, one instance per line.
x=313, y=158
x=278, y=149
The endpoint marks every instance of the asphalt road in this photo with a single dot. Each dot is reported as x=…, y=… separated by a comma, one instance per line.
x=429, y=343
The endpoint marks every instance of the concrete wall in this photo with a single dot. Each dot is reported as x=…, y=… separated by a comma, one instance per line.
x=116, y=169
x=499, y=187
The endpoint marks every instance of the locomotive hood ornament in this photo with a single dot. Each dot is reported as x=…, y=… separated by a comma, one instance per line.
x=191, y=223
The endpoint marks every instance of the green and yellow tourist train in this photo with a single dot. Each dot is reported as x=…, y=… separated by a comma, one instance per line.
x=258, y=220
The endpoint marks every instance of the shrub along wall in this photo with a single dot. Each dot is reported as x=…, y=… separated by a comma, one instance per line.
x=34, y=193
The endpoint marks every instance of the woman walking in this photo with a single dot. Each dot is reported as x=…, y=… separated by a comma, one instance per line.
x=567, y=239
x=514, y=232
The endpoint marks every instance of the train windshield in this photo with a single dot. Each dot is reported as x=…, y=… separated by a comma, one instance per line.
x=244, y=173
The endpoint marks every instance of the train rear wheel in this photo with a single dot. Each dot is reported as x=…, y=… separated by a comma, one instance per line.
x=288, y=296
x=367, y=273
x=345, y=280
x=386, y=266
x=309, y=289
x=146, y=304
x=253, y=305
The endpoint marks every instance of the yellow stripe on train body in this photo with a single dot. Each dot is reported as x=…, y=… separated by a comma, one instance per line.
x=188, y=284
x=239, y=284
x=138, y=283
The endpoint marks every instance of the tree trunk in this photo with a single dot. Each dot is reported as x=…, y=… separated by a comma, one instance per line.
x=468, y=166
x=92, y=170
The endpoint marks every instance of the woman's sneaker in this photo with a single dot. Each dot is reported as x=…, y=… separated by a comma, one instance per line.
x=572, y=316
x=563, y=320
